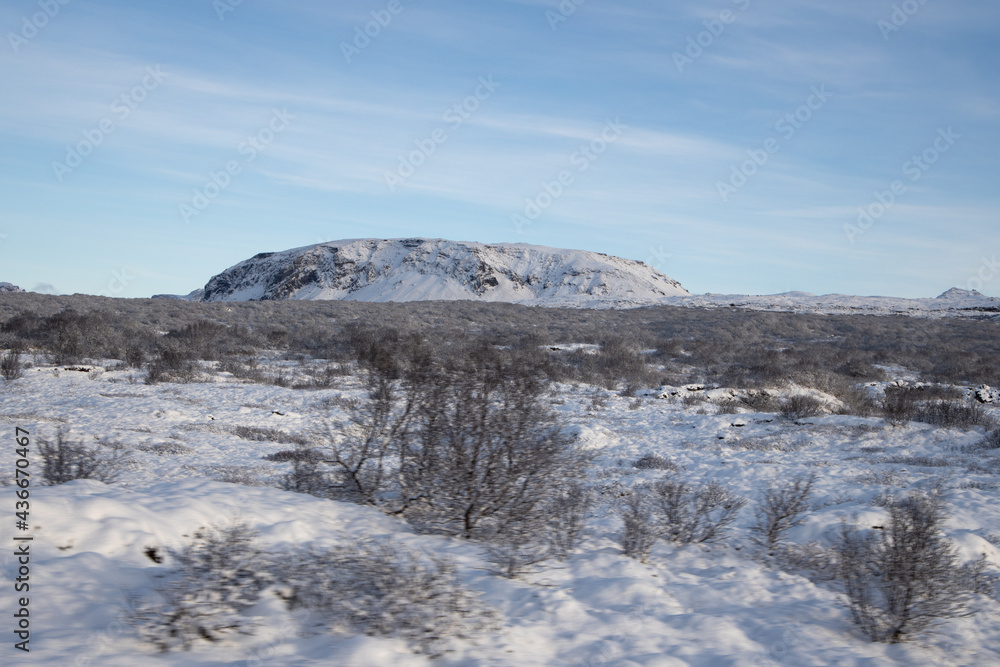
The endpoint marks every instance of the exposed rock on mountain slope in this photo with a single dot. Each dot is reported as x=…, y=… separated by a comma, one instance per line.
x=436, y=269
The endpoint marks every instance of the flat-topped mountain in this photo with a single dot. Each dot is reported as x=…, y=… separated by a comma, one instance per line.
x=436, y=269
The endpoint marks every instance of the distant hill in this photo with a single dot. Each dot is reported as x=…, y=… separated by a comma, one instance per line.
x=436, y=269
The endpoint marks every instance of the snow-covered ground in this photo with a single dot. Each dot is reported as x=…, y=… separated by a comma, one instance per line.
x=719, y=605
x=953, y=303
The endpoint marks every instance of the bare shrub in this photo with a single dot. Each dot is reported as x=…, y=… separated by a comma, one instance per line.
x=308, y=475
x=216, y=578
x=758, y=401
x=11, y=367
x=164, y=448
x=242, y=475
x=890, y=477
x=801, y=406
x=484, y=454
x=260, y=434
x=300, y=453
x=990, y=441
x=515, y=553
x=64, y=460
x=567, y=512
x=765, y=444
x=366, y=449
x=379, y=588
x=898, y=405
x=654, y=462
x=693, y=399
x=905, y=578
x=522, y=546
x=639, y=532
x=954, y=414
x=781, y=508
x=728, y=407
x=686, y=514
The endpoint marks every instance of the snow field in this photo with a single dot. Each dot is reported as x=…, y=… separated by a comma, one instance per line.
x=721, y=604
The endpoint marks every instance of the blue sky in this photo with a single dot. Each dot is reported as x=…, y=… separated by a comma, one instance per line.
x=732, y=144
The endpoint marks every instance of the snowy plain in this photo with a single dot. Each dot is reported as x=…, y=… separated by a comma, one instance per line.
x=717, y=605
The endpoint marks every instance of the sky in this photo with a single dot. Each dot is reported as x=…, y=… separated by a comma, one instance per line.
x=739, y=146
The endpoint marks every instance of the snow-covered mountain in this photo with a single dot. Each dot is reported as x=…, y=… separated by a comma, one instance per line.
x=436, y=269
x=8, y=287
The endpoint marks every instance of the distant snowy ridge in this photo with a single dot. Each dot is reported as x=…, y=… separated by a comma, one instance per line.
x=8, y=287
x=954, y=302
x=418, y=269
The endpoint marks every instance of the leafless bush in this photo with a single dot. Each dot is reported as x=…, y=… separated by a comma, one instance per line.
x=898, y=406
x=164, y=448
x=379, y=588
x=922, y=461
x=522, y=546
x=694, y=398
x=64, y=460
x=308, y=475
x=242, y=475
x=639, y=532
x=759, y=401
x=300, y=453
x=654, y=462
x=598, y=399
x=954, y=414
x=686, y=514
x=366, y=449
x=567, y=512
x=728, y=407
x=801, y=406
x=10, y=366
x=990, y=441
x=515, y=553
x=260, y=434
x=764, y=444
x=889, y=477
x=781, y=508
x=905, y=578
x=216, y=578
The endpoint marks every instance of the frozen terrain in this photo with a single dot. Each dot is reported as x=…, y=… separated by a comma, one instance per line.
x=954, y=302
x=726, y=604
